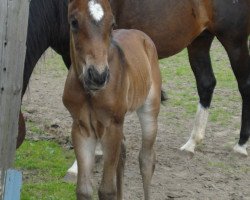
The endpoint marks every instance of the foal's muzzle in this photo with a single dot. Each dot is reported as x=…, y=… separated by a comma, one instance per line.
x=94, y=80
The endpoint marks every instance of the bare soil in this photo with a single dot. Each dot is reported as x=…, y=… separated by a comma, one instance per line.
x=214, y=172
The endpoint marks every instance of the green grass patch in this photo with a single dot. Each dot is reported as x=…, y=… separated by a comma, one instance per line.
x=52, y=63
x=33, y=127
x=220, y=165
x=55, y=190
x=44, y=165
x=229, y=167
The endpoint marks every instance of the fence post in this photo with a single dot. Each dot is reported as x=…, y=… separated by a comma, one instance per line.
x=13, y=30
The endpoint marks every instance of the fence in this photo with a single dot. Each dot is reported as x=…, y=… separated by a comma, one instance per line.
x=13, y=30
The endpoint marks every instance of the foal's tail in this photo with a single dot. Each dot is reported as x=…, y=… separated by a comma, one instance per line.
x=164, y=96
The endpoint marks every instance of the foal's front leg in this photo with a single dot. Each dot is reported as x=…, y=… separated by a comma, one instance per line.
x=111, y=143
x=84, y=146
x=71, y=175
x=120, y=171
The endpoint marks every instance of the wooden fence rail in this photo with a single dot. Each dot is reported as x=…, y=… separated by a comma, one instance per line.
x=13, y=30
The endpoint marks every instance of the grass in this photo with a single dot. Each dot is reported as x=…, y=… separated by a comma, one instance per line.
x=32, y=127
x=44, y=163
x=51, y=60
x=180, y=84
x=228, y=167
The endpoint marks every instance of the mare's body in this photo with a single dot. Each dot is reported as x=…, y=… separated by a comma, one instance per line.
x=172, y=25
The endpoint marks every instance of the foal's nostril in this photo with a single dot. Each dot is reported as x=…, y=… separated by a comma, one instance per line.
x=90, y=73
x=96, y=79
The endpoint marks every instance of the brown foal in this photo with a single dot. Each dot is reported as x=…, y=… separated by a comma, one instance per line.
x=112, y=73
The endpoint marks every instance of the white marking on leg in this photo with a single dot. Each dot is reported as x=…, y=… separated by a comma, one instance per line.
x=73, y=169
x=198, y=131
x=71, y=175
x=241, y=149
x=96, y=10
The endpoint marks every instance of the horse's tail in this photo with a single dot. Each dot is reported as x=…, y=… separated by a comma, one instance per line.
x=164, y=96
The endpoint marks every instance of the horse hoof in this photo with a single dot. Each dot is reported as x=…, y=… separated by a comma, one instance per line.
x=186, y=153
x=188, y=147
x=242, y=150
x=70, y=178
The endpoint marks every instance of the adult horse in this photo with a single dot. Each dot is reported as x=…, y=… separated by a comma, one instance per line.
x=172, y=25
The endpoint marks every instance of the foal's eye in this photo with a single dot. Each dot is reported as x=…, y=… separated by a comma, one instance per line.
x=74, y=24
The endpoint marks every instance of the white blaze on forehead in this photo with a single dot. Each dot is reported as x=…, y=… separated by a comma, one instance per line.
x=96, y=10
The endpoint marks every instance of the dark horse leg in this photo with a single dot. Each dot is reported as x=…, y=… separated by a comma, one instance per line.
x=237, y=49
x=200, y=62
x=44, y=13
x=232, y=27
x=21, y=130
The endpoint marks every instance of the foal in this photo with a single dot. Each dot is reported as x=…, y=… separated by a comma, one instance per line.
x=112, y=73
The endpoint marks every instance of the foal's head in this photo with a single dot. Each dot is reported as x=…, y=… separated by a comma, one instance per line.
x=91, y=23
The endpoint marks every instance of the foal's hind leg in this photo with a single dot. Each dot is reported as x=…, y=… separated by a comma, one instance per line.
x=148, y=114
x=200, y=62
x=238, y=53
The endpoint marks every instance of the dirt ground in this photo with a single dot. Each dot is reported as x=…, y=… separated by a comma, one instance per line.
x=213, y=173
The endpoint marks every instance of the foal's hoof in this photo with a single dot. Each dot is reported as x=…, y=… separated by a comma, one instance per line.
x=70, y=177
x=242, y=150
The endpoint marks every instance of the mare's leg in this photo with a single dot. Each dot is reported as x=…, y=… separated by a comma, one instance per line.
x=66, y=59
x=200, y=62
x=84, y=143
x=237, y=49
x=148, y=114
x=21, y=130
x=120, y=171
x=111, y=143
